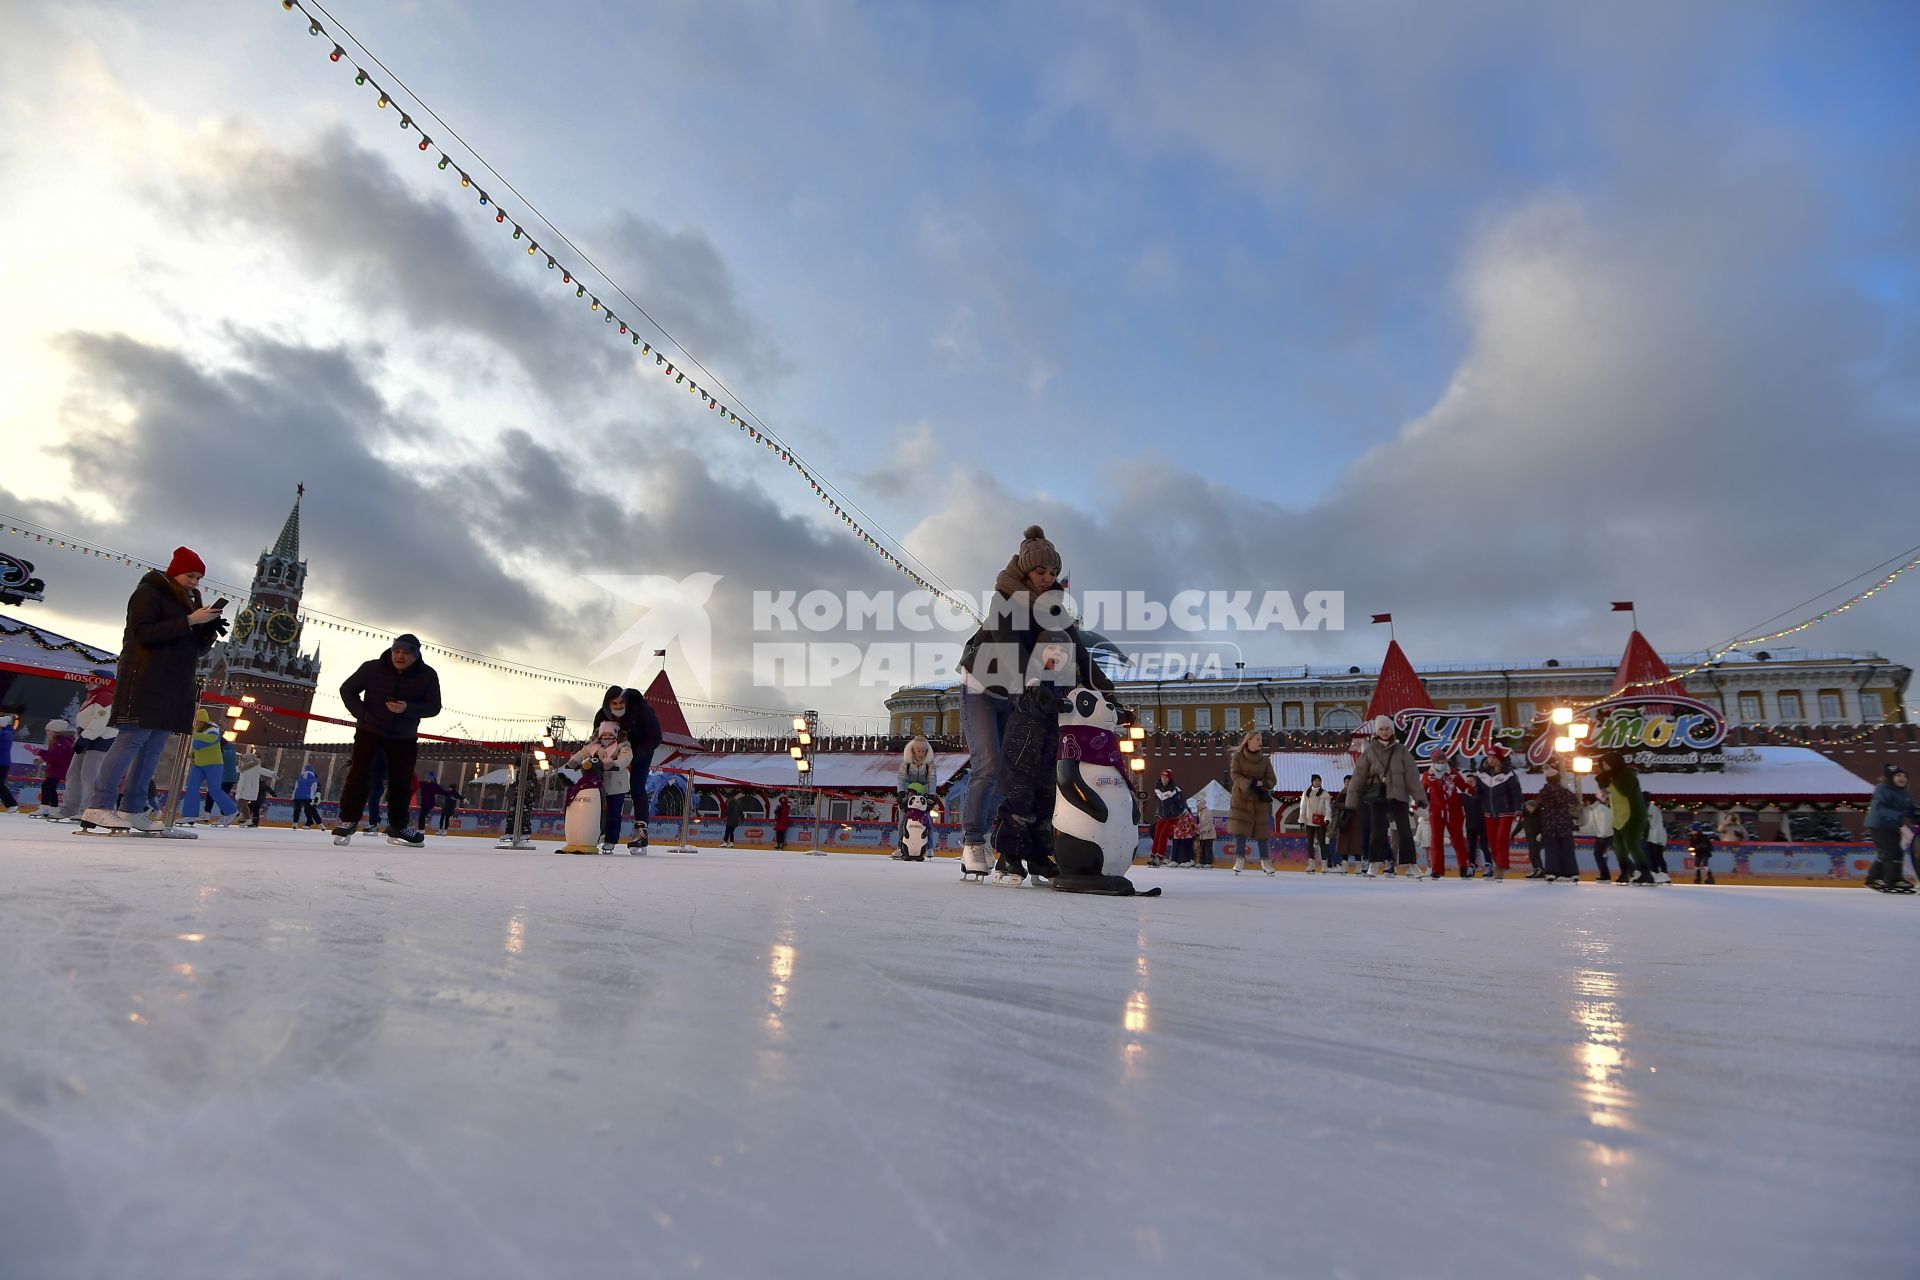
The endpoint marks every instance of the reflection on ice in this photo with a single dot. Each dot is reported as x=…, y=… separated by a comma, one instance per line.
x=516, y=934
x=780, y=965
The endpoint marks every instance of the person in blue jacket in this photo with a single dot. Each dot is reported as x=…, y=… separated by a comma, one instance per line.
x=304, y=790
x=1891, y=809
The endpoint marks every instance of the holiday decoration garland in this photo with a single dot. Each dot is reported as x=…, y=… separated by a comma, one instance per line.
x=569, y=276
x=1716, y=655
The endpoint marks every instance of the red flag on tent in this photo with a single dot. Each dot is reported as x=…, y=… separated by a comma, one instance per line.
x=1382, y=617
x=1623, y=606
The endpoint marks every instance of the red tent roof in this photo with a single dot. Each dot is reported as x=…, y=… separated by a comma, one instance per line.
x=1398, y=687
x=1640, y=663
x=674, y=731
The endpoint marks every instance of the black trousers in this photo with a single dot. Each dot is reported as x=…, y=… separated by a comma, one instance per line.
x=1316, y=842
x=1559, y=857
x=303, y=811
x=400, y=756
x=1534, y=844
x=1381, y=813
x=447, y=804
x=1657, y=855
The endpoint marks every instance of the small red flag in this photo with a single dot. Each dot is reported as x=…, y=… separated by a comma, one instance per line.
x=1382, y=617
x=1623, y=606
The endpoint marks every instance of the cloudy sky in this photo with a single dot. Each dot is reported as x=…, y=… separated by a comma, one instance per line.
x=1483, y=313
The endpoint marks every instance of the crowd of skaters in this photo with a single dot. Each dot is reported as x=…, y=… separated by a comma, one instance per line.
x=1379, y=822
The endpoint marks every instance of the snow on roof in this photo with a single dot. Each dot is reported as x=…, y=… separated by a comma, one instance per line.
x=26, y=645
x=832, y=770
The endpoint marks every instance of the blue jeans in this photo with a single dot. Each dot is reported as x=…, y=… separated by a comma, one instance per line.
x=983, y=719
x=211, y=775
x=128, y=768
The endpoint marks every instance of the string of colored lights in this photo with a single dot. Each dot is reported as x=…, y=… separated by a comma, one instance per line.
x=1717, y=654
x=752, y=426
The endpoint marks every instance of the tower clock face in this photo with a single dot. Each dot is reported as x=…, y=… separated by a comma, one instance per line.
x=282, y=628
x=243, y=625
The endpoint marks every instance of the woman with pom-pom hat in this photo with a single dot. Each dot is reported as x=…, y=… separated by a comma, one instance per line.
x=993, y=671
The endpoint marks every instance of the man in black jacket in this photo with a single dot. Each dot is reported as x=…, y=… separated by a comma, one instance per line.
x=389, y=696
x=628, y=708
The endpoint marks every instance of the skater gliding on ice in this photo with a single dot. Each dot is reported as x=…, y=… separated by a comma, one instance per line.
x=388, y=696
x=628, y=708
x=1891, y=809
x=993, y=671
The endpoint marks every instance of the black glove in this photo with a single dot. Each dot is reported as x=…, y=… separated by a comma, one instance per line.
x=220, y=626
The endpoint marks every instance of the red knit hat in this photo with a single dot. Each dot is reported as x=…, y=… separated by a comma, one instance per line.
x=184, y=561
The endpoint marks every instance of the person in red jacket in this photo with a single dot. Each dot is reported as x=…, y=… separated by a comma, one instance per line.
x=1446, y=816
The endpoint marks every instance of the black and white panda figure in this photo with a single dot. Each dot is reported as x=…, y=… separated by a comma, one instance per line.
x=916, y=829
x=1095, y=819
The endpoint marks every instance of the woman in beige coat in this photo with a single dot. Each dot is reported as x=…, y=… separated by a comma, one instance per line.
x=1386, y=782
x=1252, y=813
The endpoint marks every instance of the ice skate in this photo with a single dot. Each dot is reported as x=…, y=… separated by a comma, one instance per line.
x=1661, y=877
x=973, y=863
x=1417, y=872
x=606, y=847
x=1268, y=868
x=108, y=818
x=638, y=845
x=1239, y=865
x=407, y=836
x=344, y=833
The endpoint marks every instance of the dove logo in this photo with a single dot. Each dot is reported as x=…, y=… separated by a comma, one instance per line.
x=672, y=612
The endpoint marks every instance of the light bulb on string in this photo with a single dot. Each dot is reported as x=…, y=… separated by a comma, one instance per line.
x=483, y=198
x=580, y=291
x=532, y=249
x=516, y=231
x=465, y=181
x=337, y=54
x=359, y=76
x=384, y=100
x=443, y=162
x=499, y=216
x=425, y=143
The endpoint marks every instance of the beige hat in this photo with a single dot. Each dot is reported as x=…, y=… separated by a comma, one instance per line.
x=1036, y=552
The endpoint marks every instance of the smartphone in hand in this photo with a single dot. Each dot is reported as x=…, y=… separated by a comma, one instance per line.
x=221, y=603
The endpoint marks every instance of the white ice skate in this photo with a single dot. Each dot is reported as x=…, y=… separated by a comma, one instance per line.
x=974, y=864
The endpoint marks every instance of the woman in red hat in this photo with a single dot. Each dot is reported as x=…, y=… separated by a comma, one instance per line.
x=155, y=696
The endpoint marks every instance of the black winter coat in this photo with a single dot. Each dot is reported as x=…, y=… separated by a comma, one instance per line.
x=368, y=690
x=158, y=652
x=639, y=720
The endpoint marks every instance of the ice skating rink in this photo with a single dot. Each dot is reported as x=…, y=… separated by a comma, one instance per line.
x=257, y=1055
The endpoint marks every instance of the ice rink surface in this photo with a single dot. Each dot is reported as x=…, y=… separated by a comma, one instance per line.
x=257, y=1055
